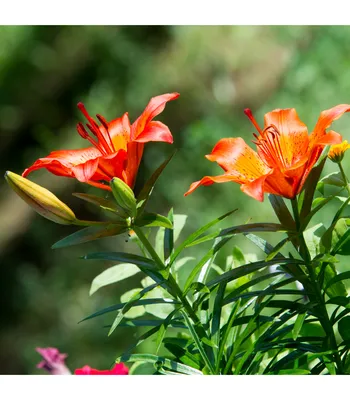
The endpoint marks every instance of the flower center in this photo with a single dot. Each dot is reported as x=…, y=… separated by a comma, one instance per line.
x=104, y=141
x=269, y=144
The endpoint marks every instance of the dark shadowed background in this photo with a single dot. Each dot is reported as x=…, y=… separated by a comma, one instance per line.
x=218, y=70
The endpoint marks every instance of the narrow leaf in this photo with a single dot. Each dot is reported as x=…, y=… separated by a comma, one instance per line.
x=282, y=212
x=112, y=275
x=196, y=234
x=152, y=219
x=91, y=233
x=123, y=257
x=146, y=191
x=150, y=358
x=298, y=325
x=169, y=237
x=257, y=227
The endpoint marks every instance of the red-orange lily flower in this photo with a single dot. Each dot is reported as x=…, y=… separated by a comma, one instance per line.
x=117, y=147
x=285, y=154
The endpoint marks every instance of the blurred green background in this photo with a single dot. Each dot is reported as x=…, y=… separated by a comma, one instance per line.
x=218, y=70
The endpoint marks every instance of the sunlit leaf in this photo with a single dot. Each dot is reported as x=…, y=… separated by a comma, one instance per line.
x=113, y=274
x=90, y=233
x=165, y=362
x=152, y=219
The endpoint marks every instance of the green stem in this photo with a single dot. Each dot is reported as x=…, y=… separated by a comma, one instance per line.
x=148, y=247
x=344, y=177
x=174, y=286
x=317, y=293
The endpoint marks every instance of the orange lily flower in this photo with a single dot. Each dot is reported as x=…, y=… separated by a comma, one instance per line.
x=285, y=154
x=117, y=147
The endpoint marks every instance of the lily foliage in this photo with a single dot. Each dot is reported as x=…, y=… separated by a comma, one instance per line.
x=285, y=313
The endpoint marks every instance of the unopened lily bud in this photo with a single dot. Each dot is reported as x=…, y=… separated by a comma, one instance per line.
x=124, y=196
x=336, y=152
x=40, y=199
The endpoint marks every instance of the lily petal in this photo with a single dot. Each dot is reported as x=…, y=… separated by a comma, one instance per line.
x=209, y=180
x=154, y=107
x=235, y=156
x=135, y=151
x=119, y=131
x=331, y=137
x=83, y=172
x=112, y=165
x=326, y=118
x=155, y=131
x=241, y=164
x=287, y=142
x=62, y=162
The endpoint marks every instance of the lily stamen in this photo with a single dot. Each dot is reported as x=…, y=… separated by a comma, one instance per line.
x=94, y=128
x=249, y=114
x=85, y=135
x=105, y=125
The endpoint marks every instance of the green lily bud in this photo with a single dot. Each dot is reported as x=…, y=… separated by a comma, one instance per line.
x=40, y=199
x=124, y=196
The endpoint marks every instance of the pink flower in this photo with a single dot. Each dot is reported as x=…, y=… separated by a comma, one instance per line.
x=118, y=369
x=53, y=361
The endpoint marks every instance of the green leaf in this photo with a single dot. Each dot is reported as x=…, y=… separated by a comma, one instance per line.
x=90, y=233
x=251, y=283
x=146, y=191
x=165, y=362
x=205, y=238
x=263, y=245
x=152, y=219
x=337, y=288
x=282, y=212
x=298, y=325
x=257, y=227
x=123, y=257
x=163, y=328
x=197, y=341
x=334, y=179
x=238, y=257
x=317, y=207
x=337, y=278
x=198, y=287
x=134, y=312
x=105, y=204
x=196, y=234
x=119, y=306
x=112, y=275
x=134, y=299
x=313, y=237
x=275, y=251
x=341, y=237
x=216, y=318
x=249, y=268
x=169, y=238
x=294, y=371
x=205, y=262
x=339, y=300
x=179, y=223
x=310, y=187
x=181, y=353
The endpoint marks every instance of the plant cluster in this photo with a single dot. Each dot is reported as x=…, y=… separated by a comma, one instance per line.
x=286, y=313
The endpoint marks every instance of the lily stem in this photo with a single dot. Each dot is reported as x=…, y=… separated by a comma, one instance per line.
x=344, y=177
x=175, y=287
x=143, y=239
x=317, y=293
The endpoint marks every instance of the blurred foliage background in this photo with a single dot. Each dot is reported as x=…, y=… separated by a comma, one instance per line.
x=218, y=70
